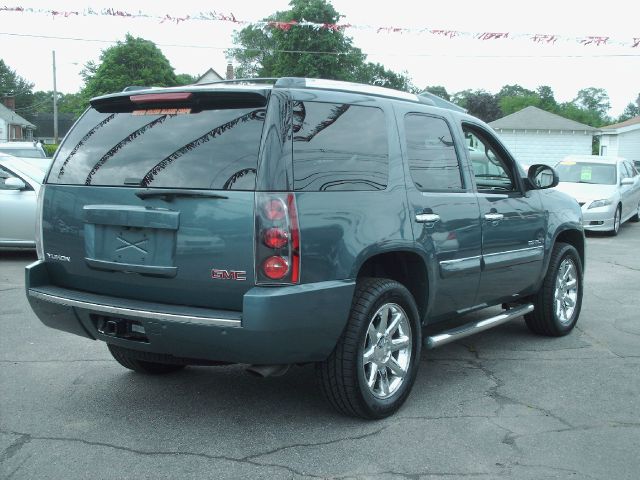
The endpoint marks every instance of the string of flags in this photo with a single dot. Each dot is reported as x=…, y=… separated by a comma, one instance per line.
x=539, y=38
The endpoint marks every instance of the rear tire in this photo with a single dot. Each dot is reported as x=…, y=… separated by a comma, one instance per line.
x=133, y=362
x=558, y=302
x=374, y=364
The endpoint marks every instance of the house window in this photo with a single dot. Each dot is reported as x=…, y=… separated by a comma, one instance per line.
x=603, y=150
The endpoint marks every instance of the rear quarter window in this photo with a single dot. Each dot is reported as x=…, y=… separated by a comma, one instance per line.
x=207, y=149
x=339, y=147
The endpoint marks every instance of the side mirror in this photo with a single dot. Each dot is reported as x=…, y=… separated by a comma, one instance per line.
x=542, y=176
x=13, y=183
x=627, y=181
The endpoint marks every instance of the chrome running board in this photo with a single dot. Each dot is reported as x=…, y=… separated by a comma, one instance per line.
x=457, y=333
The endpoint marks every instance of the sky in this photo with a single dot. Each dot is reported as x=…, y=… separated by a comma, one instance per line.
x=457, y=64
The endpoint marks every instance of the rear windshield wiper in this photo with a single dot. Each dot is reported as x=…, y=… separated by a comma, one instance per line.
x=169, y=194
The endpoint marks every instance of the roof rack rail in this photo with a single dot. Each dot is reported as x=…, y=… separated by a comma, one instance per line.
x=271, y=80
x=133, y=88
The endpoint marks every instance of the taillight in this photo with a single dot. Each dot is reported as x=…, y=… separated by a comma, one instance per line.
x=40, y=201
x=277, y=239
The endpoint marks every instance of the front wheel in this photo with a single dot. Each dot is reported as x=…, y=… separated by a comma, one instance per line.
x=373, y=367
x=636, y=217
x=558, y=302
x=617, y=220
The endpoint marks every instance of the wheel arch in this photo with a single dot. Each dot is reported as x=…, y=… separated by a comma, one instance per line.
x=573, y=237
x=404, y=266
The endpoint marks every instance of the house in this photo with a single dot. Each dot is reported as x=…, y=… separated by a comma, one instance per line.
x=535, y=136
x=622, y=139
x=44, y=126
x=211, y=75
x=12, y=126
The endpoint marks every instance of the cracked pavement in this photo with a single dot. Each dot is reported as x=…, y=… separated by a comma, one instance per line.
x=502, y=404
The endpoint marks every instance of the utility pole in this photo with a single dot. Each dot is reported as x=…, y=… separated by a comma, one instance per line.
x=55, y=102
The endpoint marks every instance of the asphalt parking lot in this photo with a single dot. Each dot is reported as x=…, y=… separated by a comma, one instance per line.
x=502, y=404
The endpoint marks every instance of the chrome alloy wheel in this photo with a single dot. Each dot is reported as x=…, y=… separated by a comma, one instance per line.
x=566, y=292
x=387, y=350
x=616, y=220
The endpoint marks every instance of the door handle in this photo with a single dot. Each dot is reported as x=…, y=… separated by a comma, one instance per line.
x=493, y=217
x=427, y=217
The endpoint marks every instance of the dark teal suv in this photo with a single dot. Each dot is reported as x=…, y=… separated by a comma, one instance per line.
x=297, y=221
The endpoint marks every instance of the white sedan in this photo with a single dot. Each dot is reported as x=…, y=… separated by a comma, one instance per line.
x=607, y=189
x=20, y=182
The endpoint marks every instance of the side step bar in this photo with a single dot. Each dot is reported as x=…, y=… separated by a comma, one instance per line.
x=457, y=333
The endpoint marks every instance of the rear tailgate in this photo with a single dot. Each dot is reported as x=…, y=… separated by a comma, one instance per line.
x=154, y=200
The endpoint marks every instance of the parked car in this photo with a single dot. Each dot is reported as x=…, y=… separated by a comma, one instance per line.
x=607, y=189
x=302, y=221
x=23, y=149
x=20, y=181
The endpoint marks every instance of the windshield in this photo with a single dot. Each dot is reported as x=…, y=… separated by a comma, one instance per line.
x=581, y=172
x=167, y=148
x=24, y=152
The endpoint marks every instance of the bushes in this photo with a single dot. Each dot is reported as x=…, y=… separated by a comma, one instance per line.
x=50, y=149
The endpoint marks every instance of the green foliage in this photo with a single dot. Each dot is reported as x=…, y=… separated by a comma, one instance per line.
x=479, y=103
x=514, y=91
x=439, y=90
x=595, y=100
x=510, y=105
x=50, y=149
x=13, y=84
x=304, y=52
x=632, y=110
x=185, y=79
x=135, y=61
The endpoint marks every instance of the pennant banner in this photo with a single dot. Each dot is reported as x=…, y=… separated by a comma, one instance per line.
x=547, y=39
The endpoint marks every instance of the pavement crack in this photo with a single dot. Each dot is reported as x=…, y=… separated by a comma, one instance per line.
x=12, y=450
x=317, y=444
x=503, y=400
x=15, y=447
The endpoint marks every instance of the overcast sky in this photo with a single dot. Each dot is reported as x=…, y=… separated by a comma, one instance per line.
x=457, y=64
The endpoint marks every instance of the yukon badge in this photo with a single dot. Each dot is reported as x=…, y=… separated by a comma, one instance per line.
x=238, y=275
x=61, y=258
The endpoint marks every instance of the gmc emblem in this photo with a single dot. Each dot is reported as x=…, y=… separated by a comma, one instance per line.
x=238, y=275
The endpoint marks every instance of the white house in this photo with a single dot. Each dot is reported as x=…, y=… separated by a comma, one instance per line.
x=622, y=140
x=212, y=76
x=13, y=126
x=537, y=136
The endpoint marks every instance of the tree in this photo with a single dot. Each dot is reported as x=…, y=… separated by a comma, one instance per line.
x=547, y=99
x=135, y=61
x=632, y=110
x=514, y=91
x=13, y=84
x=285, y=49
x=439, y=90
x=595, y=100
x=479, y=103
x=185, y=79
x=509, y=105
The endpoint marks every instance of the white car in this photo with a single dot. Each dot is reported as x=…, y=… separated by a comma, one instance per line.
x=607, y=189
x=20, y=182
x=23, y=149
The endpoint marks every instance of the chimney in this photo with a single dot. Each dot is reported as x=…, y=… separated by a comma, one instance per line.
x=9, y=102
x=229, y=71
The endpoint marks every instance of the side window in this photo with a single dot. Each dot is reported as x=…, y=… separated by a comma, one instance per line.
x=492, y=172
x=433, y=161
x=624, y=170
x=4, y=174
x=339, y=147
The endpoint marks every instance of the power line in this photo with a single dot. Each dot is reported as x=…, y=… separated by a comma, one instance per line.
x=424, y=55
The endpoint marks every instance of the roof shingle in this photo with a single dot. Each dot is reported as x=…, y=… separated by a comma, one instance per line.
x=534, y=118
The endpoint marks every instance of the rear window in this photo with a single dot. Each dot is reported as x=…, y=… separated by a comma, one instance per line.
x=339, y=147
x=167, y=148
